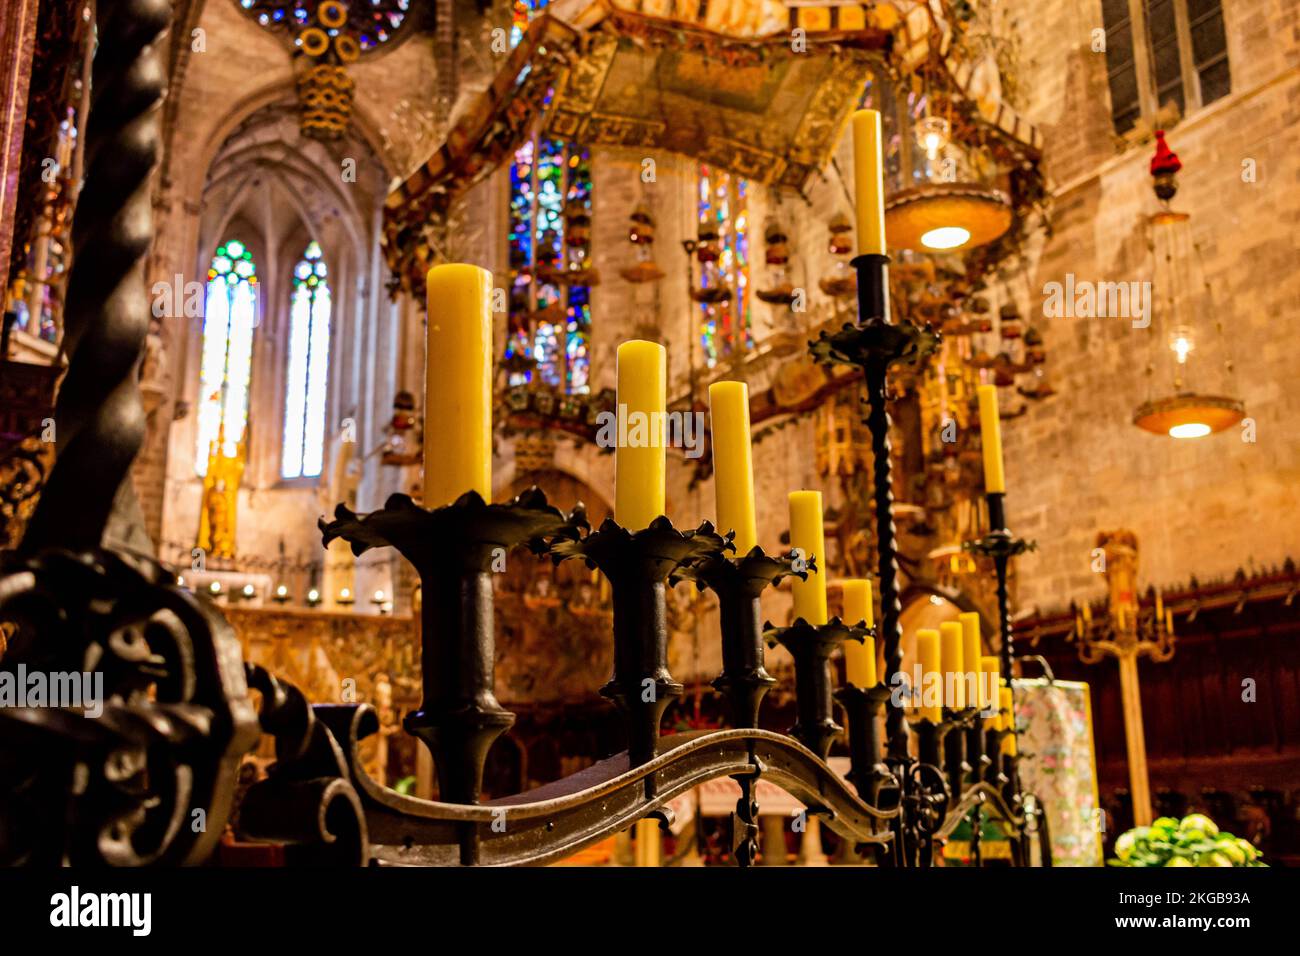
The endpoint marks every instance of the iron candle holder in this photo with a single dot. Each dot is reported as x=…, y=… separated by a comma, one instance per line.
x=1001, y=545
x=957, y=723
x=811, y=646
x=868, y=773
x=453, y=549
x=873, y=345
x=639, y=565
x=739, y=582
x=924, y=797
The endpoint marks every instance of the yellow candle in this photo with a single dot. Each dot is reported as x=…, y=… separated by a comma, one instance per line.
x=970, y=656
x=857, y=602
x=950, y=659
x=1008, y=722
x=806, y=535
x=869, y=182
x=859, y=659
x=458, y=384
x=990, y=681
x=995, y=480
x=927, y=656
x=733, y=462
x=640, y=462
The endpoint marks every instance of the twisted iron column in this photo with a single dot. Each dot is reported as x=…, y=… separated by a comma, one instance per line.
x=99, y=417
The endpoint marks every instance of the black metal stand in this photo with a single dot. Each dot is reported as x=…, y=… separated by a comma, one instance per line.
x=1001, y=545
x=738, y=582
x=811, y=646
x=638, y=566
x=954, y=750
x=874, y=345
x=869, y=773
x=453, y=549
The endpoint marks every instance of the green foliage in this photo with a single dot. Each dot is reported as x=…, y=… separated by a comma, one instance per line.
x=1193, y=841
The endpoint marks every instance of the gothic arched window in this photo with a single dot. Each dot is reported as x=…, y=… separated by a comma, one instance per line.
x=726, y=327
x=309, y=345
x=550, y=302
x=229, y=315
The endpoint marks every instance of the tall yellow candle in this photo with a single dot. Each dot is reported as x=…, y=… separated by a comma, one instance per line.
x=869, y=194
x=458, y=384
x=733, y=462
x=927, y=656
x=950, y=659
x=970, y=656
x=859, y=659
x=806, y=535
x=640, y=458
x=991, y=681
x=995, y=480
x=1008, y=721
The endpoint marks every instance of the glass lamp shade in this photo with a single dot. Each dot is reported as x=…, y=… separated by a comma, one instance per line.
x=1189, y=415
x=938, y=217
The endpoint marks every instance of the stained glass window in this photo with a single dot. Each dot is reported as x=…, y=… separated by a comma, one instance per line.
x=550, y=313
x=521, y=14
x=371, y=23
x=229, y=316
x=726, y=327
x=309, y=345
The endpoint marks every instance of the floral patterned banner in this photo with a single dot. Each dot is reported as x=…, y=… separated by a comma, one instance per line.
x=1058, y=765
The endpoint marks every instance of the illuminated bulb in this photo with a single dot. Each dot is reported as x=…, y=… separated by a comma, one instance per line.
x=248, y=590
x=379, y=597
x=345, y=594
x=313, y=596
x=215, y=587
x=946, y=237
x=282, y=591
x=1190, y=430
x=933, y=134
x=180, y=580
x=1182, y=344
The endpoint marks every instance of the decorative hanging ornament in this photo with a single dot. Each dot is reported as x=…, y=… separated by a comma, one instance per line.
x=641, y=233
x=1165, y=165
x=776, y=254
x=1186, y=412
x=713, y=285
x=843, y=279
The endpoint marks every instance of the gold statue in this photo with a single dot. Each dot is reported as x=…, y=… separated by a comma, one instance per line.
x=221, y=496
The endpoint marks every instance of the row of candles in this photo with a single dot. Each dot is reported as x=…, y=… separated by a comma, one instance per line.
x=458, y=452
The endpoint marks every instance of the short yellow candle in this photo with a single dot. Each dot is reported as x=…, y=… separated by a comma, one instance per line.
x=950, y=659
x=971, y=658
x=991, y=681
x=458, y=384
x=733, y=463
x=927, y=656
x=869, y=194
x=1008, y=721
x=806, y=534
x=859, y=659
x=995, y=479
x=640, y=458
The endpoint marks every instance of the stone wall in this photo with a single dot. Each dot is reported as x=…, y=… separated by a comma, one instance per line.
x=1075, y=464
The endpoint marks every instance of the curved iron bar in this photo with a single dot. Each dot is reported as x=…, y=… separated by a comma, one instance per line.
x=558, y=819
x=99, y=417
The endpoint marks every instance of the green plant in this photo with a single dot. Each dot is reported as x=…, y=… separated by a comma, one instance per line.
x=1193, y=841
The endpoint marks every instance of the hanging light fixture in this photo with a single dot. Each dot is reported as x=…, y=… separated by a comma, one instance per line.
x=1187, y=412
x=944, y=198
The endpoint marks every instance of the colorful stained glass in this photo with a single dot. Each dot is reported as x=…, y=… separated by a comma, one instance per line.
x=550, y=322
x=371, y=23
x=229, y=316
x=726, y=327
x=521, y=14
x=309, y=344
